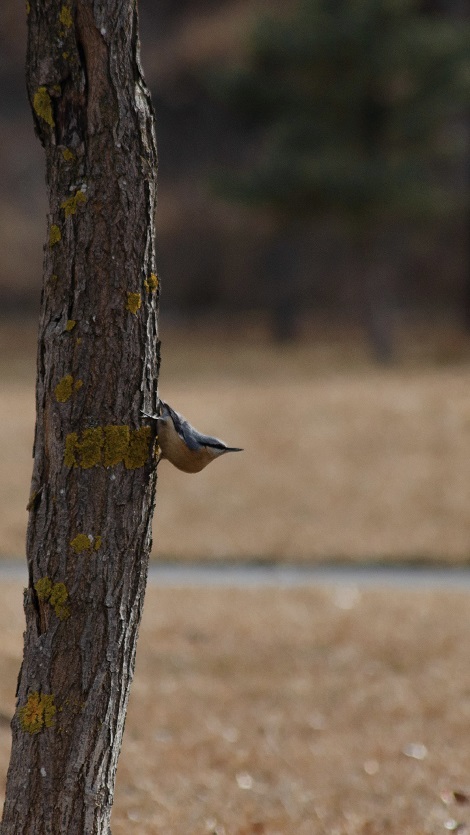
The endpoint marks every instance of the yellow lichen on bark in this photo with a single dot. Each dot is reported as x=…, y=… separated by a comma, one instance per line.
x=134, y=302
x=43, y=588
x=151, y=283
x=71, y=204
x=43, y=106
x=116, y=444
x=138, y=450
x=71, y=441
x=38, y=712
x=108, y=446
x=65, y=17
x=55, y=594
x=55, y=235
x=64, y=388
x=81, y=543
x=90, y=446
x=58, y=598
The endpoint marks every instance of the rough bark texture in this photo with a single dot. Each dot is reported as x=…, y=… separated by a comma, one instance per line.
x=94, y=474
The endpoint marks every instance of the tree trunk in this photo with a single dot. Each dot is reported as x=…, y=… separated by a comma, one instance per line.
x=282, y=286
x=94, y=476
x=376, y=295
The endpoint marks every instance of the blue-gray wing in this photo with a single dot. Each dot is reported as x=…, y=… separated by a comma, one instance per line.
x=184, y=429
x=192, y=438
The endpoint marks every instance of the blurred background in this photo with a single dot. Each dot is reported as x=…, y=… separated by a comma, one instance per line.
x=313, y=250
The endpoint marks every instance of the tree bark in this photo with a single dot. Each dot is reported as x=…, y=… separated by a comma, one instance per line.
x=94, y=475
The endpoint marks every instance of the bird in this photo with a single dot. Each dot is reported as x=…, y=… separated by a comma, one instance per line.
x=182, y=444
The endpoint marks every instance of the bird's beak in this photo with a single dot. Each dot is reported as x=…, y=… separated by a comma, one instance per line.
x=233, y=449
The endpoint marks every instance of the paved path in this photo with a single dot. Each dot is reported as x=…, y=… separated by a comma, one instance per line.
x=289, y=576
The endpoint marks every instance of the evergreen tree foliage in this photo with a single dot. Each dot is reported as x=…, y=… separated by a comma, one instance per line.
x=355, y=108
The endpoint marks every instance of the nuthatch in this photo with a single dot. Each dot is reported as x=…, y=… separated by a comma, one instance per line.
x=183, y=445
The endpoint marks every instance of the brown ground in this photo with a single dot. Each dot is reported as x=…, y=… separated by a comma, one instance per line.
x=295, y=712
x=343, y=459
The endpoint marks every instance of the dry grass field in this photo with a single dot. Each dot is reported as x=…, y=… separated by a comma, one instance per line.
x=343, y=460
x=288, y=712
